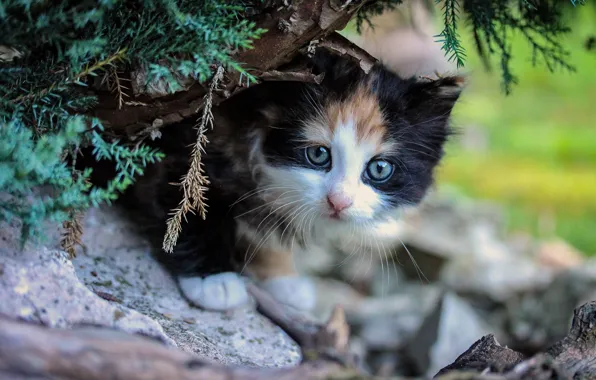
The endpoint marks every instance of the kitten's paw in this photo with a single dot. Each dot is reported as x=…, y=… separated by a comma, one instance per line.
x=220, y=292
x=294, y=291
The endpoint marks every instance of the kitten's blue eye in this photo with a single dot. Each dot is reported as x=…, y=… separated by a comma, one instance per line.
x=379, y=170
x=318, y=155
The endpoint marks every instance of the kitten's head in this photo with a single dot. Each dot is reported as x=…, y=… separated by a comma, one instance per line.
x=358, y=146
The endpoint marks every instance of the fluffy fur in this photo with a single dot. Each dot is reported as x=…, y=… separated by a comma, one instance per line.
x=272, y=187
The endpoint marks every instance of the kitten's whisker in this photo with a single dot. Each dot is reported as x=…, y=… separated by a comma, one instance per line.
x=257, y=191
x=382, y=265
x=268, y=235
x=387, y=262
x=302, y=224
x=421, y=152
x=265, y=205
x=291, y=220
x=257, y=231
x=429, y=121
x=309, y=231
x=274, y=211
x=369, y=251
x=358, y=248
x=353, y=249
x=418, y=270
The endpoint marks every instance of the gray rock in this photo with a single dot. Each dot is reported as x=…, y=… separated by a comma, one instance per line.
x=388, y=323
x=43, y=287
x=332, y=292
x=535, y=320
x=443, y=228
x=135, y=295
x=499, y=277
x=450, y=329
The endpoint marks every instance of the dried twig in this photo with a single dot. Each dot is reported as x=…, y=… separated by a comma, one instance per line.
x=195, y=182
x=71, y=234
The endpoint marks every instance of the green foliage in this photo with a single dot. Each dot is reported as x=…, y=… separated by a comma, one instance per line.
x=44, y=90
x=493, y=25
x=27, y=164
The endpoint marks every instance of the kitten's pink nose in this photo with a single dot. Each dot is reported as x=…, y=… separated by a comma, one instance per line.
x=339, y=201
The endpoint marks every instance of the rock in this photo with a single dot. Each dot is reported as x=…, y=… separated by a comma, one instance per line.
x=42, y=287
x=537, y=319
x=497, y=278
x=449, y=330
x=124, y=287
x=388, y=323
x=443, y=228
x=332, y=292
x=492, y=268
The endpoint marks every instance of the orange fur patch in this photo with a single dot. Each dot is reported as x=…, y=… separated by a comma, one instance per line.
x=362, y=108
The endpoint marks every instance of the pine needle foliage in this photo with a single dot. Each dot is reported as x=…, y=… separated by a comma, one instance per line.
x=492, y=23
x=56, y=48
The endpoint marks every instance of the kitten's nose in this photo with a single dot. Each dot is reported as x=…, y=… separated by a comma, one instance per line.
x=339, y=201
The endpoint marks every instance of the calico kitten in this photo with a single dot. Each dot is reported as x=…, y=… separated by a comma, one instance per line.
x=295, y=165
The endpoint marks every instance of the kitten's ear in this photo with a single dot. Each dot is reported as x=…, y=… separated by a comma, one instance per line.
x=437, y=96
x=341, y=73
x=423, y=96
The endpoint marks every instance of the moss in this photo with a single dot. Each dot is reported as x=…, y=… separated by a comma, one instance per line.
x=122, y=280
x=107, y=283
x=224, y=332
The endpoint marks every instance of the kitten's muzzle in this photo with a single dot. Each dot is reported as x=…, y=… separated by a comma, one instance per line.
x=338, y=202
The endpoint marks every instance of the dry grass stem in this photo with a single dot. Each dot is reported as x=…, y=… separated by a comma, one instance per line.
x=195, y=182
x=71, y=234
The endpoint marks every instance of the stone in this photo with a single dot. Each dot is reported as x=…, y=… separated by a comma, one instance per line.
x=444, y=228
x=42, y=286
x=497, y=278
x=114, y=281
x=331, y=292
x=388, y=323
x=535, y=320
x=450, y=329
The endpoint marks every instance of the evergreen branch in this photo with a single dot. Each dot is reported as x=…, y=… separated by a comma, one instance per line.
x=88, y=70
x=194, y=183
x=449, y=36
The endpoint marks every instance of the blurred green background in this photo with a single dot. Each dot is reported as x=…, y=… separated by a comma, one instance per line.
x=533, y=151
x=539, y=160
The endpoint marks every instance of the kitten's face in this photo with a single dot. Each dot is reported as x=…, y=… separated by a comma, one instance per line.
x=358, y=150
x=344, y=162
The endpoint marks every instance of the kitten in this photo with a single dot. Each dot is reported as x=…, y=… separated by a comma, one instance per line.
x=295, y=165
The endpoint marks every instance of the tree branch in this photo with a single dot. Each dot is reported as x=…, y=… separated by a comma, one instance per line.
x=290, y=32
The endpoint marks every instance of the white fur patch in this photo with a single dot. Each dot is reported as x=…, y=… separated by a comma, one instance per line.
x=220, y=292
x=294, y=291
